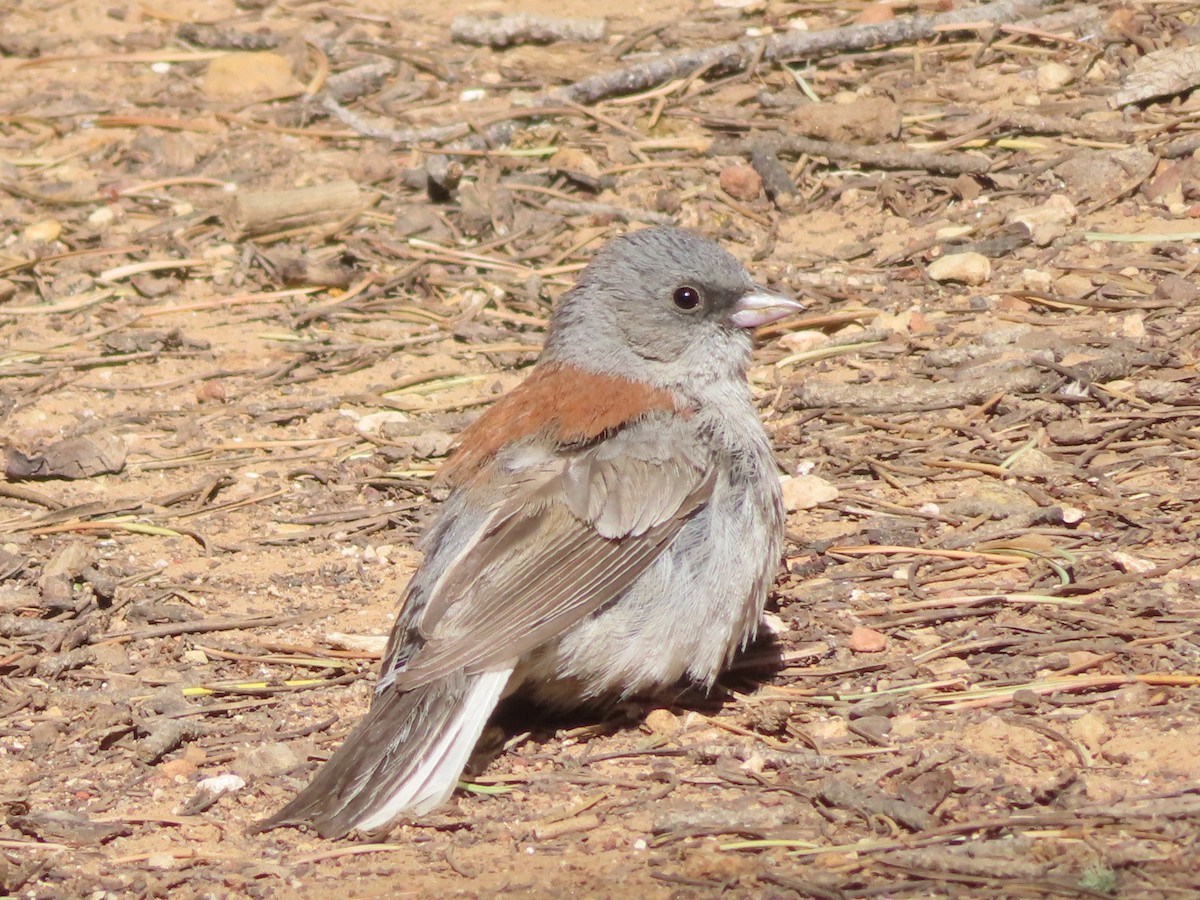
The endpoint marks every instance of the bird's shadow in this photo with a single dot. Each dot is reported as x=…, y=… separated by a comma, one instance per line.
x=518, y=716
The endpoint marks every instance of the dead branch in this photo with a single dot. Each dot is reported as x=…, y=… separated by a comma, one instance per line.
x=734, y=56
x=721, y=59
x=892, y=156
x=524, y=28
x=984, y=382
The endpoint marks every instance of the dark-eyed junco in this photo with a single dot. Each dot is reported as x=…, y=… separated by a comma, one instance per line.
x=613, y=527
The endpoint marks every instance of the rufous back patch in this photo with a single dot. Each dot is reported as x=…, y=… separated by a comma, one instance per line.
x=567, y=404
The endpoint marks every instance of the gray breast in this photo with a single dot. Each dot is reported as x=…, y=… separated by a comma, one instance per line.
x=696, y=605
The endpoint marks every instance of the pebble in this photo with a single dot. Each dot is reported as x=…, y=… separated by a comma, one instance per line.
x=1127, y=562
x=266, y=759
x=867, y=640
x=222, y=784
x=101, y=217
x=174, y=768
x=1091, y=730
x=1054, y=76
x=741, y=183
x=806, y=491
x=1034, y=462
x=1037, y=280
x=966, y=268
x=1133, y=326
x=1072, y=285
x=803, y=341
x=663, y=721
x=43, y=232
x=1047, y=221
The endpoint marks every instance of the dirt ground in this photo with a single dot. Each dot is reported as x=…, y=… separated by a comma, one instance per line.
x=221, y=407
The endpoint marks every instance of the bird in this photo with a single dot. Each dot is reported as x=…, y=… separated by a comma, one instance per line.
x=612, y=528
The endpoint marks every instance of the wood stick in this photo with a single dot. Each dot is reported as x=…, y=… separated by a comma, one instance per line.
x=263, y=212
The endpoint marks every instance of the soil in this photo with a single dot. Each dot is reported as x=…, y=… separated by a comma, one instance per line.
x=221, y=407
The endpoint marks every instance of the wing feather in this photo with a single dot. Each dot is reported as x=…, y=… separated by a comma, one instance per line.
x=561, y=547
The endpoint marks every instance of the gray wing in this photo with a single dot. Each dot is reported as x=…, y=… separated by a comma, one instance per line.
x=567, y=541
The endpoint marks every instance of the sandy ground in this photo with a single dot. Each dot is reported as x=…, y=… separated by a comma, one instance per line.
x=221, y=414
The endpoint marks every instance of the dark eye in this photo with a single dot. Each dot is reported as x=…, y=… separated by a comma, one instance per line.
x=686, y=297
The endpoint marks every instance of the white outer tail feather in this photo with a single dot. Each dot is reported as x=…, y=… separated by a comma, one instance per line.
x=443, y=762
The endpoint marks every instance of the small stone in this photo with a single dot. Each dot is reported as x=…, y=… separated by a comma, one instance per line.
x=379, y=424
x=175, y=768
x=576, y=165
x=664, y=722
x=1134, y=697
x=101, y=217
x=668, y=202
x=266, y=759
x=1133, y=326
x=222, y=784
x=830, y=729
x=363, y=643
x=876, y=727
x=947, y=666
x=1072, y=515
x=741, y=183
x=918, y=323
x=1047, y=221
x=965, y=268
x=1036, y=463
x=907, y=725
x=211, y=390
x=806, y=491
x=43, y=232
x=1127, y=562
x=1027, y=699
x=867, y=640
x=1054, y=76
x=1013, y=305
x=1073, y=285
x=1037, y=280
x=1090, y=730
x=803, y=341
x=42, y=737
x=755, y=763
x=110, y=656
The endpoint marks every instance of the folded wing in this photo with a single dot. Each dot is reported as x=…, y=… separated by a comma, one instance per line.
x=562, y=545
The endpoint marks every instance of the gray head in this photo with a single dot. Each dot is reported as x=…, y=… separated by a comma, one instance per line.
x=662, y=305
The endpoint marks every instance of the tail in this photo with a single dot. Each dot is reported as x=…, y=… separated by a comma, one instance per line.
x=406, y=756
